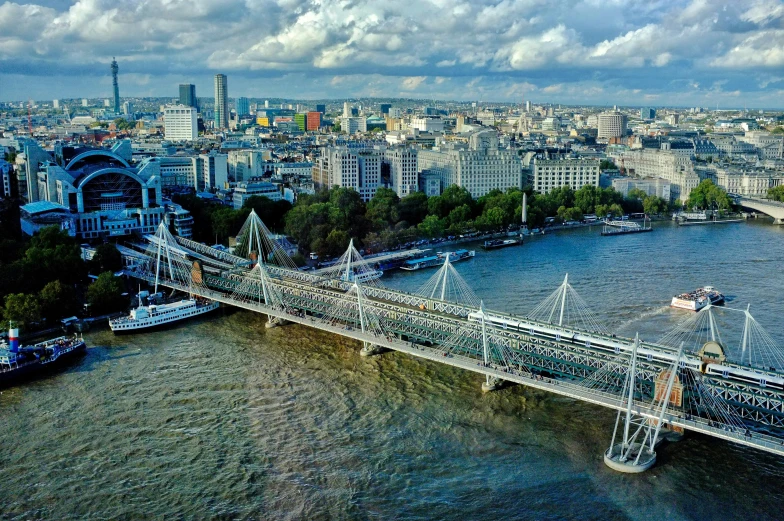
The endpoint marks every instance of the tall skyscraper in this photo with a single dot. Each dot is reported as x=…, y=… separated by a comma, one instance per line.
x=221, y=101
x=321, y=108
x=346, y=109
x=115, y=70
x=243, y=107
x=385, y=108
x=188, y=94
x=56, y=104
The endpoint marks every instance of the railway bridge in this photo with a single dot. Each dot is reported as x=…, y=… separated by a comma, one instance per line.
x=687, y=380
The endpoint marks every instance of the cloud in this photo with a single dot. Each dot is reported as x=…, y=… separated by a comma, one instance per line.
x=593, y=49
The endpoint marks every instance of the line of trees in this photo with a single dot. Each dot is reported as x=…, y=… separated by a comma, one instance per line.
x=324, y=222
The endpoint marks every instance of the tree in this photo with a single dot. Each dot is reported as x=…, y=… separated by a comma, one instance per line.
x=105, y=294
x=654, y=205
x=776, y=193
x=413, y=208
x=271, y=213
x=431, y=227
x=383, y=207
x=335, y=243
x=636, y=193
x=107, y=258
x=57, y=300
x=707, y=195
x=607, y=164
x=123, y=124
x=22, y=308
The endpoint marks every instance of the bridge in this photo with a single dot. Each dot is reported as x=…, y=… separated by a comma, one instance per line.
x=766, y=206
x=687, y=380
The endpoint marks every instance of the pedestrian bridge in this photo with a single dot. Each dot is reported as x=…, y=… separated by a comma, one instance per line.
x=766, y=206
x=687, y=380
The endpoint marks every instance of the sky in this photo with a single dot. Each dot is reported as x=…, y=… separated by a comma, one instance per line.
x=626, y=52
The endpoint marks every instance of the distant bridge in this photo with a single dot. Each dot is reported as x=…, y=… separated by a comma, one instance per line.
x=766, y=206
x=558, y=347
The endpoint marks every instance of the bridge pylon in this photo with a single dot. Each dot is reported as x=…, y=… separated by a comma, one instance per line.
x=635, y=452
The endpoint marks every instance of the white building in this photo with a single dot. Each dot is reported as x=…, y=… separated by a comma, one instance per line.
x=56, y=104
x=403, y=171
x=657, y=187
x=181, y=123
x=548, y=174
x=427, y=124
x=211, y=172
x=244, y=191
x=746, y=181
x=352, y=125
x=245, y=164
x=769, y=146
x=665, y=164
x=479, y=167
x=611, y=124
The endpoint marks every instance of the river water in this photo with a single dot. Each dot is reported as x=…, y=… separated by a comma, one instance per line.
x=222, y=419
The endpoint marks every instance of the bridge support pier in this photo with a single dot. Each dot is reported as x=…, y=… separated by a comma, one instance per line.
x=779, y=220
x=371, y=349
x=274, y=322
x=491, y=384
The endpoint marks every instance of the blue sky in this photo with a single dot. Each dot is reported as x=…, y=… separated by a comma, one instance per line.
x=626, y=52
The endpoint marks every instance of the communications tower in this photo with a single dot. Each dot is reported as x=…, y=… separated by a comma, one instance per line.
x=115, y=69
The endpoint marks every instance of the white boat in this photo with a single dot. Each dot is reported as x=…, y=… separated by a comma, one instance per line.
x=697, y=299
x=146, y=317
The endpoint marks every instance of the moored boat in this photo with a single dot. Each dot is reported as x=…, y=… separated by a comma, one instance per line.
x=501, y=243
x=17, y=362
x=158, y=315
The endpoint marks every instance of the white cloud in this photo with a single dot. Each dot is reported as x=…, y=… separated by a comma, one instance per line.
x=763, y=49
x=411, y=83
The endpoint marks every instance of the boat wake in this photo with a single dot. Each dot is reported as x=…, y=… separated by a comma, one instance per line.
x=646, y=314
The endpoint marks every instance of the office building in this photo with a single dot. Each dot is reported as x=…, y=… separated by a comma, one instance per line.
x=611, y=124
x=180, y=123
x=321, y=108
x=212, y=172
x=244, y=191
x=313, y=121
x=385, y=108
x=548, y=174
x=403, y=170
x=221, y=102
x=427, y=124
x=6, y=171
x=84, y=102
x=651, y=186
x=647, y=113
x=664, y=163
x=352, y=125
x=345, y=167
x=243, y=107
x=56, y=104
x=479, y=167
x=346, y=109
x=301, y=121
x=127, y=108
x=107, y=103
x=188, y=94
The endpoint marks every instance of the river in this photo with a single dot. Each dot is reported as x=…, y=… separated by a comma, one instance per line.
x=221, y=418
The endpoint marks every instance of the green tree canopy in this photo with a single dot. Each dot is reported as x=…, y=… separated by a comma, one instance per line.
x=105, y=294
x=776, y=193
x=23, y=308
x=107, y=258
x=707, y=196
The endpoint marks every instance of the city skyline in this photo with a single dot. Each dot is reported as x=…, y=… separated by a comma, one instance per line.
x=622, y=52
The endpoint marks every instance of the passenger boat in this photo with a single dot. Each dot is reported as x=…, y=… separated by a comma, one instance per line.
x=24, y=361
x=152, y=316
x=625, y=227
x=455, y=256
x=697, y=299
x=501, y=243
x=423, y=262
